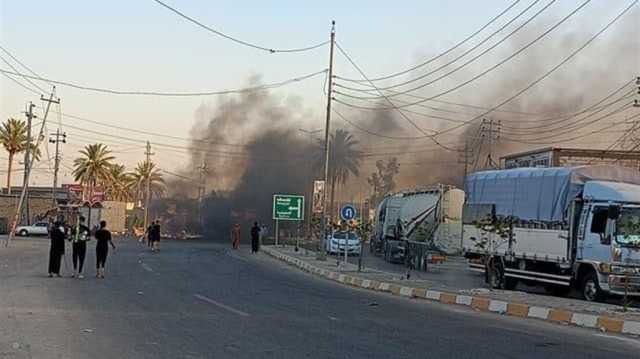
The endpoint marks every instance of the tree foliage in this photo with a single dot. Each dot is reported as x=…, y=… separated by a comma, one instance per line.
x=382, y=181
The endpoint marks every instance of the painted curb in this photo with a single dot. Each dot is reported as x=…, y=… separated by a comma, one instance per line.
x=482, y=304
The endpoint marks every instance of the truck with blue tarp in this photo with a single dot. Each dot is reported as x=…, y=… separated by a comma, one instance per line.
x=561, y=227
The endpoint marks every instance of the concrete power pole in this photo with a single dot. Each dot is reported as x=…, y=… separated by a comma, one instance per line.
x=321, y=253
x=147, y=191
x=202, y=190
x=56, y=138
x=28, y=161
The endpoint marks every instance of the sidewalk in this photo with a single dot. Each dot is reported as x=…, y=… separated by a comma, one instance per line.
x=606, y=317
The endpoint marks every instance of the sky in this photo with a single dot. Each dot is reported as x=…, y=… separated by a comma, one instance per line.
x=139, y=45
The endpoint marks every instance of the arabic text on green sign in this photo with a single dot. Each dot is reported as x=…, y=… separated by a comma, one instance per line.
x=288, y=207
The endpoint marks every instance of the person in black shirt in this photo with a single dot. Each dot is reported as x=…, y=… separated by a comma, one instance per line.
x=155, y=245
x=57, y=248
x=103, y=239
x=255, y=238
x=79, y=237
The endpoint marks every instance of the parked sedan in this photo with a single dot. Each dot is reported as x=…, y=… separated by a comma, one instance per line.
x=36, y=229
x=335, y=244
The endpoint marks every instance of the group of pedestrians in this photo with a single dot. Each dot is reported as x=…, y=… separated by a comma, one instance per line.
x=153, y=236
x=257, y=233
x=78, y=235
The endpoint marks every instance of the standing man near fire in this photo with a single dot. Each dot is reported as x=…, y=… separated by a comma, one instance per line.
x=79, y=237
x=235, y=236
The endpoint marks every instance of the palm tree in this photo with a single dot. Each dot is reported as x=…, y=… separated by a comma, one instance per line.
x=93, y=167
x=13, y=136
x=147, y=171
x=344, y=160
x=118, y=187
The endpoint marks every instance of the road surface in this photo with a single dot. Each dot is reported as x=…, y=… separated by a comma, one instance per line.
x=202, y=300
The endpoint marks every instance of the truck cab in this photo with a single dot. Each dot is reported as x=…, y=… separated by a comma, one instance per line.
x=608, y=242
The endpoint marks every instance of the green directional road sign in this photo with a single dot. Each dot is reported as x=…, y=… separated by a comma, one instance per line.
x=288, y=207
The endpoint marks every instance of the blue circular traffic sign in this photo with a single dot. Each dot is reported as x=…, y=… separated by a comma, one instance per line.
x=348, y=212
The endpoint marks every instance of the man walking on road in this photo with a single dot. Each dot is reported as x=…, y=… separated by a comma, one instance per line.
x=255, y=238
x=57, y=248
x=155, y=236
x=149, y=235
x=79, y=238
x=235, y=236
x=103, y=238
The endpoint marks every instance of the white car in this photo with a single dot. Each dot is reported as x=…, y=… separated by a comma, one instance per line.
x=336, y=242
x=36, y=229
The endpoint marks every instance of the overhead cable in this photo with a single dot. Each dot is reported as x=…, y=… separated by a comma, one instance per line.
x=235, y=39
x=468, y=51
x=465, y=40
x=495, y=66
x=169, y=94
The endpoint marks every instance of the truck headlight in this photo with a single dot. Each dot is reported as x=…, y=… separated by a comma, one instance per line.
x=604, y=267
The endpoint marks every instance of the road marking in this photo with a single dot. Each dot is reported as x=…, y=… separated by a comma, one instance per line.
x=146, y=267
x=223, y=306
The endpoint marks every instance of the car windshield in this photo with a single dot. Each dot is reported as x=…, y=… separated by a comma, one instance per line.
x=628, y=229
x=343, y=235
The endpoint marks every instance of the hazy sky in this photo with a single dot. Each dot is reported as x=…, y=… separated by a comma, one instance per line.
x=138, y=45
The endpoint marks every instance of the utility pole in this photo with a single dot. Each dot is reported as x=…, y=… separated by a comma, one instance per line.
x=321, y=254
x=204, y=170
x=491, y=130
x=27, y=153
x=147, y=196
x=310, y=133
x=28, y=162
x=56, y=138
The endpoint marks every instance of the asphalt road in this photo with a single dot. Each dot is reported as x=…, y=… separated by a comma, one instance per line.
x=202, y=300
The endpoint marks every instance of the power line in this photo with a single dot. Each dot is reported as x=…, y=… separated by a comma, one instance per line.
x=468, y=51
x=169, y=94
x=234, y=39
x=24, y=77
x=615, y=124
x=550, y=71
x=21, y=84
x=524, y=132
x=500, y=63
x=465, y=40
x=84, y=119
x=344, y=53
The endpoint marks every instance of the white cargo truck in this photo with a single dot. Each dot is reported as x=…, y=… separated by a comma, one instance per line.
x=428, y=215
x=561, y=227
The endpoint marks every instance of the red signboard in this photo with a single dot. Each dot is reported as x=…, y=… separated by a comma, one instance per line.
x=76, y=192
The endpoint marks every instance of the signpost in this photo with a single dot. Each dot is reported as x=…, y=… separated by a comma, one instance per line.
x=287, y=207
x=347, y=213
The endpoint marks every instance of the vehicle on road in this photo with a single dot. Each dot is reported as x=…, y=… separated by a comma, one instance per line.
x=561, y=227
x=431, y=216
x=335, y=244
x=36, y=229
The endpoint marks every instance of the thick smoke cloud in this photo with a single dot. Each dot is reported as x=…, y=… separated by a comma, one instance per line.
x=276, y=157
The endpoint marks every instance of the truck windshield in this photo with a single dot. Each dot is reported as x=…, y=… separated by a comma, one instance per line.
x=628, y=231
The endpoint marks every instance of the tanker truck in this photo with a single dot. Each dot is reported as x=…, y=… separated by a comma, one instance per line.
x=431, y=215
x=562, y=227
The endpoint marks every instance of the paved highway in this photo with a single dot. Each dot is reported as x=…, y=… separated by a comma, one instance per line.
x=201, y=300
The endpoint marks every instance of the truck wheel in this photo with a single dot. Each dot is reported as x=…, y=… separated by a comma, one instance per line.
x=495, y=275
x=24, y=233
x=591, y=289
